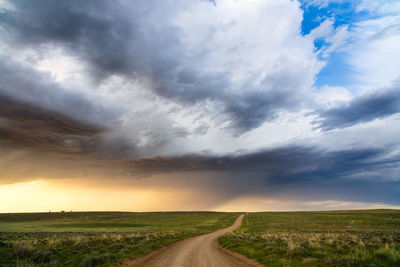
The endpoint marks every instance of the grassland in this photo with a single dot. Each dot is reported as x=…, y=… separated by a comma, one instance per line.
x=96, y=238
x=334, y=238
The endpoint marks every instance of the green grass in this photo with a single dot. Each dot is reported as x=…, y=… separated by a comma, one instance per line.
x=333, y=238
x=96, y=238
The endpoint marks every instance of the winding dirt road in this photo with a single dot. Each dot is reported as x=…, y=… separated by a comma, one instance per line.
x=195, y=252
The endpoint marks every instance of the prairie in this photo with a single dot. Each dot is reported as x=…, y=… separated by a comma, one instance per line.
x=97, y=238
x=332, y=238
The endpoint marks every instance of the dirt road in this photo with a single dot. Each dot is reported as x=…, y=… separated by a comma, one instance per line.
x=195, y=252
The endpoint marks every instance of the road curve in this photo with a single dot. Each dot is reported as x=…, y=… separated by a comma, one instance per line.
x=195, y=252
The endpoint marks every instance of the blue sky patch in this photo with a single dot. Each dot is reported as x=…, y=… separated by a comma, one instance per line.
x=343, y=13
x=336, y=72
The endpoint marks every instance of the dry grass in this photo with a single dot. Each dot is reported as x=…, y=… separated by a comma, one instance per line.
x=102, y=239
x=369, y=238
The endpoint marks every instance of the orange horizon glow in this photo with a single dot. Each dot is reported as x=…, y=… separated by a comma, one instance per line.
x=74, y=195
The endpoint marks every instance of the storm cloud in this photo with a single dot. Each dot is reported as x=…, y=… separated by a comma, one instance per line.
x=119, y=38
x=45, y=138
x=378, y=105
x=222, y=99
x=24, y=125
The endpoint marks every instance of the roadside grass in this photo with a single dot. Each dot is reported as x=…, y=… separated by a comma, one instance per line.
x=96, y=238
x=332, y=238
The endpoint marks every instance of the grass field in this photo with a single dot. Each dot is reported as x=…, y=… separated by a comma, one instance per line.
x=334, y=238
x=96, y=238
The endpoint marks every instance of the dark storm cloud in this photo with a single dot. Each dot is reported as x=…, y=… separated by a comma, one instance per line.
x=291, y=172
x=362, y=109
x=27, y=86
x=281, y=165
x=81, y=27
x=30, y=127
x=118, y=37
x=26, y=126
x=38, y=88
x=62, y=147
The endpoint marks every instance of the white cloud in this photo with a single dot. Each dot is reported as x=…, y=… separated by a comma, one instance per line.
x=329, y=96
x=375, y=52
x=246, y=39
x=6, y=5
x=324, y=30
x=380, y=7
x=322, y=3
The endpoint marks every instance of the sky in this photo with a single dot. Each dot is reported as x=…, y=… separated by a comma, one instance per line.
x=226, y=105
